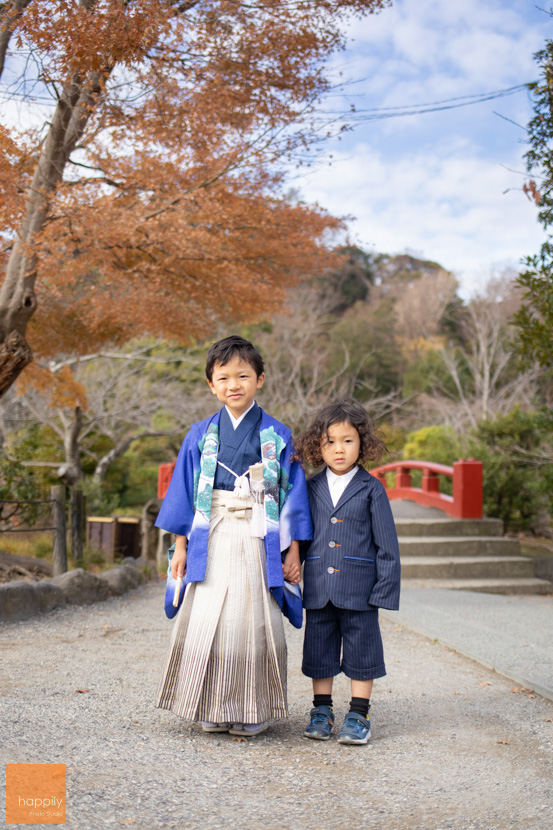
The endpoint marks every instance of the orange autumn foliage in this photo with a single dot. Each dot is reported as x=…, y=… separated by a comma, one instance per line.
x=156, y=204
x=56, y=390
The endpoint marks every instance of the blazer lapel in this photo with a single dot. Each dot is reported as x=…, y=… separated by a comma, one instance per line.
x=319, y=486
x=356, y=484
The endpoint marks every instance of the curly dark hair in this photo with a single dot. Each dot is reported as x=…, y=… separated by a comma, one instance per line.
x=308, y=444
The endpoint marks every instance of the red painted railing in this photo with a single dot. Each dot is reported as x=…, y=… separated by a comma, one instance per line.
x=466, y=502
x=164, y=475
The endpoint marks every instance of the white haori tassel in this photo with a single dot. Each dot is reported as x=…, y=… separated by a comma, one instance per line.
x=241, y=487
x=257, y=487
x=241, y=483
x=254, y=487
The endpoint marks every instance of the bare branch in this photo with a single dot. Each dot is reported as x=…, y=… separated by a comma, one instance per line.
x=10, y=14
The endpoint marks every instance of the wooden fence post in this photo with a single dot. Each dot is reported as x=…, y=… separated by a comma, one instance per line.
x=59, y=557
x=77, y=523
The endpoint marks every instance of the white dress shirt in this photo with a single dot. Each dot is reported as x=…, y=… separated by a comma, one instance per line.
x=237, y=421
x=337, y=484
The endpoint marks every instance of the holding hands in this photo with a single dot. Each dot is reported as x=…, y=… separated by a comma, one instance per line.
x=291, y=565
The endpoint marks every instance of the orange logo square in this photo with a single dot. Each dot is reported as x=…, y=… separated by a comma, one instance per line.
x=35, y=794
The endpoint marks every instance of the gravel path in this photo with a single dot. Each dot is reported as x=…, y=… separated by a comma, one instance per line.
x=454, y=745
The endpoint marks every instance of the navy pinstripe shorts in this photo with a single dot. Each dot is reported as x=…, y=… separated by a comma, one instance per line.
x=339, y=640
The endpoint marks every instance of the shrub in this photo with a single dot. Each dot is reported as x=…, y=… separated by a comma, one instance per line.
x=515, y=487
x=436, y=443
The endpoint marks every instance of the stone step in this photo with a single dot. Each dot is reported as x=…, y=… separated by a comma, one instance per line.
x=458, y=546
x=486, y=586
x=449, y=527
x=466, y=567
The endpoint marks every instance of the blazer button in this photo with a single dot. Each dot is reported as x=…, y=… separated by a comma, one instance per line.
x=332, y=544
x=334, y=520
x=330, y=570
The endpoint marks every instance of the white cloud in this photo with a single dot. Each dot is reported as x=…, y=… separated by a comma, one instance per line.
x=448, y=45
x=449, y=207
x=436, y=184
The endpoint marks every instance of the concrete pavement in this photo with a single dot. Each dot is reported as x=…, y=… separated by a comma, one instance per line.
x=511, y=634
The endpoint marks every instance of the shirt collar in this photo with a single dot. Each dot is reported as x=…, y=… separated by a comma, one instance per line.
x=237, y=421
x=343, y=480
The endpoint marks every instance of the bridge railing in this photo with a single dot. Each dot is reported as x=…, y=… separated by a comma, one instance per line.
x=466, y=501
x=164, y=475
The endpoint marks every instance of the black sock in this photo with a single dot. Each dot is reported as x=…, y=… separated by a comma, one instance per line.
x=322, y=700
x=360, y=705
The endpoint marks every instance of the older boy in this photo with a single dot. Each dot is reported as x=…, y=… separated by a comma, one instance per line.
x=226, y=665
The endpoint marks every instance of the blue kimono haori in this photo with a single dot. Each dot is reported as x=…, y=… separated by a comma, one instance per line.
x=210, y=447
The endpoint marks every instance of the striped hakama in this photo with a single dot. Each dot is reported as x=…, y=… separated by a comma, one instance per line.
x=227, y=657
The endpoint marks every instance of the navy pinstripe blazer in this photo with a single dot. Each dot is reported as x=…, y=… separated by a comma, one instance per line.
x=353, y=560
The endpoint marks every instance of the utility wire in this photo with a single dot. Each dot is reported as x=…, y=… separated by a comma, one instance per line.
x=355, y=114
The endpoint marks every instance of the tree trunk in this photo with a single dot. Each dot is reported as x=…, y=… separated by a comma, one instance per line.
x=15, y=354
x=59, y=554
x=77, y=523
x=71, y=472
x=17, y=295
x=10, y=13
x=105, y=462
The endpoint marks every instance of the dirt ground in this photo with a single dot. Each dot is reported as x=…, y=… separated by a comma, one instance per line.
x=454, y=746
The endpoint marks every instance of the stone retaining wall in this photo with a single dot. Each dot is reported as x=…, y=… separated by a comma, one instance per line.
x=20, y=600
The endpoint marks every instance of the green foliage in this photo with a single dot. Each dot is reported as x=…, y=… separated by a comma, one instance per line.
x=514, y=480
x=352, y=280
x=134, y=475
x=43, y=548
x=94, y=561
x=534, y=320
x=425, y=372
x=453, y=322
x=18, y=484
x=34, y=543
x=101, y=499
x=368, y=333
x=394, y=437
x=435, y=443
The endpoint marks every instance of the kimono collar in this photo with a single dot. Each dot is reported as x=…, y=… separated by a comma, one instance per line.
x=272, y=446
x=237, y=421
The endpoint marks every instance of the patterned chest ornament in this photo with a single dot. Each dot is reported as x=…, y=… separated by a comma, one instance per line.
x=265, y=485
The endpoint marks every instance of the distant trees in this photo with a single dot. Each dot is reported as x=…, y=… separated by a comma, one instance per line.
x=441, y=385
x=109, y=402
x=483, y=369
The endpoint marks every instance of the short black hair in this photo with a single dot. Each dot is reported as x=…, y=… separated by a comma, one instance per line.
x=308, y=444
x=224, y=350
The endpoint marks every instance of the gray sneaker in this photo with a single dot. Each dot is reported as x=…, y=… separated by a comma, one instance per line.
x=355, y=730
x=321, y=723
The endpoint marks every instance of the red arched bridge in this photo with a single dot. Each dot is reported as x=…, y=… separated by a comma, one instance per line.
x=465, y=503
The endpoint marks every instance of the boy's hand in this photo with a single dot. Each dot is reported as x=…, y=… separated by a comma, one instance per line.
x=291, y=565
x=178, y=562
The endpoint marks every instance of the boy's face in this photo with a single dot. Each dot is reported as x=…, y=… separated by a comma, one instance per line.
x=340, y=448
x=235, y=384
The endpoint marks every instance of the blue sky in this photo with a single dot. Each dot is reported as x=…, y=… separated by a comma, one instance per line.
x=446, y=185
